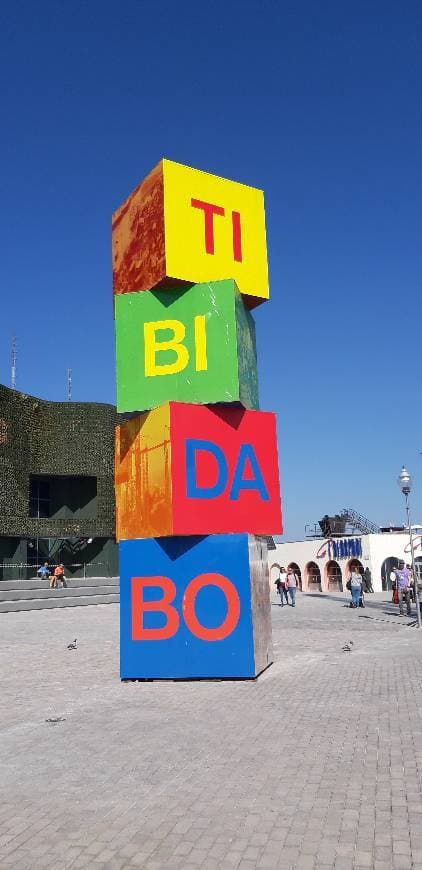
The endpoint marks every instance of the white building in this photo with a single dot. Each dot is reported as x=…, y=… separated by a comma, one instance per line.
x=325, y=564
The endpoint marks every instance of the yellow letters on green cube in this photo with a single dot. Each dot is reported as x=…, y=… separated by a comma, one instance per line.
x=193, y=345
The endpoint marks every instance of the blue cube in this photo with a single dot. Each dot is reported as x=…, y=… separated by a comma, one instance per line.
x=194, y=607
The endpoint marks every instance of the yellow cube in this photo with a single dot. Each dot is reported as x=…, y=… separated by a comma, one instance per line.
x=187, y=226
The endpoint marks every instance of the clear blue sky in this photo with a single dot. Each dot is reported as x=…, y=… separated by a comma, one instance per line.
x=320, y=105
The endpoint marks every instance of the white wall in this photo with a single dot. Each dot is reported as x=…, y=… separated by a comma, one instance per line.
x=375, y=549
x=384, y=546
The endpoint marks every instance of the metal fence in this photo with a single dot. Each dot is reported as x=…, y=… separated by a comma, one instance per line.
x=81, y=570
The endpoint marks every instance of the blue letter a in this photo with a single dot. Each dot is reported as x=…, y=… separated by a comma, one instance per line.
x=247, y=453
x=193, y=445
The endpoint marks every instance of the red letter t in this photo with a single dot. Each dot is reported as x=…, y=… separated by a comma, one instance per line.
x=209, y=211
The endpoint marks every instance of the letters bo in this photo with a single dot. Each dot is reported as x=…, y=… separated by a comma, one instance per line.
x=183, y=225
x=165, y=606
x=188, y=608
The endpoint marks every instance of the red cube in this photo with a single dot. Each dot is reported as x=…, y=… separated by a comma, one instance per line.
x=184, y=469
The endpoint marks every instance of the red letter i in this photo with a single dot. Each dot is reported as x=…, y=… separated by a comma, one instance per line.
x=237, y=236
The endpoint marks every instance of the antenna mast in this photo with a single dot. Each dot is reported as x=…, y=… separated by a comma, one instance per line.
x=69, y=385
x=14, y=362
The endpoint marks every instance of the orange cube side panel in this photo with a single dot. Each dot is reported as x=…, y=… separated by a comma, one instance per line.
x=143, y=475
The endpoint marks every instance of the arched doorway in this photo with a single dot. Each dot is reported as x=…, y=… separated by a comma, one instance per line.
x=354, y=565
x=292, y=566
x=333, y=576
x=387, y=567
x=313, y=577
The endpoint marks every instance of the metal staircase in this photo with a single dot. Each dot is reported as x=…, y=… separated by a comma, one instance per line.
x=347, y=522
x=359, y=523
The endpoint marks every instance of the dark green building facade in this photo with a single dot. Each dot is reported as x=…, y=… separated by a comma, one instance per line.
x=56, y=486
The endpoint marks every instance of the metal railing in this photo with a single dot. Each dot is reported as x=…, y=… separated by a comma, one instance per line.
x=28, y=571
x=357, y=521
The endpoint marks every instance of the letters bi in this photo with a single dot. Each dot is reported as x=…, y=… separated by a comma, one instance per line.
x=246, y=457
x=153, y=346
x=166, y=608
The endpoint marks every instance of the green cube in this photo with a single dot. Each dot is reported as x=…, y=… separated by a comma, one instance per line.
x=192, y=345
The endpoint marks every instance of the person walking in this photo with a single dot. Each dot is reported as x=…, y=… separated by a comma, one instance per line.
x=367, y=579
x=281, y=584
x=277, y=584
x=411, y=583
x=395, y=591
x=418, y=581
x=291, y=586
x=355, y=581
x=403, y=578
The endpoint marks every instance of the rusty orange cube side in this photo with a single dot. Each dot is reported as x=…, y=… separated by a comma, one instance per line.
x=139, y=258
x=143, y=475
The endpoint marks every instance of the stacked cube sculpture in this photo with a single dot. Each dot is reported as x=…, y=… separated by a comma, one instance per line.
x=196, y=474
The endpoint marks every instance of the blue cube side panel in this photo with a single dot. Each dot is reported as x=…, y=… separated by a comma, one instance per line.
x=204, y=587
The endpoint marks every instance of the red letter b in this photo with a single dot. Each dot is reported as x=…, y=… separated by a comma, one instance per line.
x=162, y=605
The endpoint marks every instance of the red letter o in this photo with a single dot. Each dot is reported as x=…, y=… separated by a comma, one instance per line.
x=233, y=607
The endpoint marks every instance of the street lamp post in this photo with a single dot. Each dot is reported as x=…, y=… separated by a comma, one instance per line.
x=405, y=484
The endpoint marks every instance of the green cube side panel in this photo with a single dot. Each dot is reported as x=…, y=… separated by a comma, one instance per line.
x=247, y=360
x=184, y=345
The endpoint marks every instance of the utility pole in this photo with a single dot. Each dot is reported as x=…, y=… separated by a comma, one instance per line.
x=405, y=484
x=69, y=385
x=14, y=362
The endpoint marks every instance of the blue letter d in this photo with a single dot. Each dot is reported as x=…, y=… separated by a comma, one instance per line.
x=194, y=445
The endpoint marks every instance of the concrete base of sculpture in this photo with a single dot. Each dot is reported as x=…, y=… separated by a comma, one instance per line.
x=194, y=608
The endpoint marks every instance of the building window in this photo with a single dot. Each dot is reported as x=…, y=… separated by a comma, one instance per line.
x=63, y=497
x=39, y=497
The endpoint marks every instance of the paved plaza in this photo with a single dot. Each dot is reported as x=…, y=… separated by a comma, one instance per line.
x=318, y=764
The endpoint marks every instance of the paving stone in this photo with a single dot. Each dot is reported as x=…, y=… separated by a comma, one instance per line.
x=343, y=864
x=178, y=775
x=363, y=859
x=401, y=862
